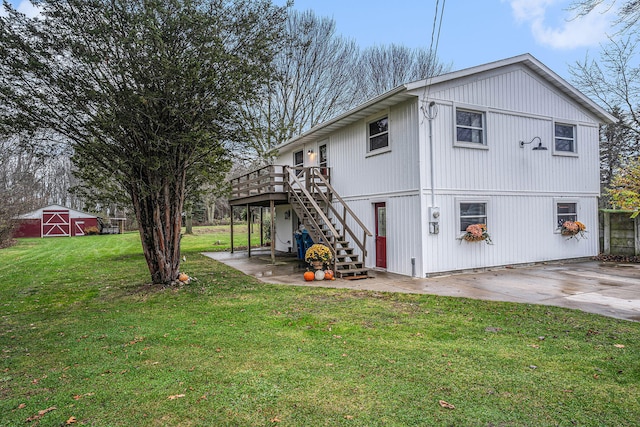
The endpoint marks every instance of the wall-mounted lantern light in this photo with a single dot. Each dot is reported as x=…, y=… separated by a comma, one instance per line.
x=537, y=147
x=309, y=151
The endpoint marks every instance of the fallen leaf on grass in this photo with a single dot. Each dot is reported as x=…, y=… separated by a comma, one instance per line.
x=446, y=405
x=40, y=414
x=275, y=420
x=72, y=420
x=22, y=406
x=619, y=345
x=348, y=417
x=175, y=396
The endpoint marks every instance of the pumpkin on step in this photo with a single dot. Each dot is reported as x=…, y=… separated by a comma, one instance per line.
x=328, y=275
x=309, y=276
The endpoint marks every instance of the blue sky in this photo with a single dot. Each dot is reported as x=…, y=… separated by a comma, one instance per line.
x=473, y=31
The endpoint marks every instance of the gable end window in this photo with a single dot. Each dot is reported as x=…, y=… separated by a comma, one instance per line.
x=565, y=138
x=470, y=126
x=378, y=132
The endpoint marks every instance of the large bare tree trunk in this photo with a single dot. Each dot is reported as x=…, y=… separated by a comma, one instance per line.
x=159, y=216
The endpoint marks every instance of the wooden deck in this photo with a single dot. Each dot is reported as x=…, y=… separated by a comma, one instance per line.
x=260, y=187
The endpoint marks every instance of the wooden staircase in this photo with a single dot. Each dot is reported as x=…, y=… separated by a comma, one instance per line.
x=329, y=220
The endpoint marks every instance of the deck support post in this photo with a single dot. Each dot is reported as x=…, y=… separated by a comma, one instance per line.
x=249, y=231
x=272, y=207
x=607, y=233
x=231, y=228
x=261, y=226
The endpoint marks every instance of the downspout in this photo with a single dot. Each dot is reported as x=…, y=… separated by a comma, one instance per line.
x=424, y=219
x=430, y=117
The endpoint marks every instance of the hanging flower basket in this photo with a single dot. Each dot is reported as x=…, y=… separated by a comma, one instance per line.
x=477, y=233
x=572, y=229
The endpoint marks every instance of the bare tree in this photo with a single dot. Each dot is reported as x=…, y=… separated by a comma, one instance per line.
x=628, y=11
x=618, y=144
x=19, y=184
x=614, y=81
x=313, y=83
x=382, y=68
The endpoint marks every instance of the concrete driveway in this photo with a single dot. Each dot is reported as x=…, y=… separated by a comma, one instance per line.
x=606, y=288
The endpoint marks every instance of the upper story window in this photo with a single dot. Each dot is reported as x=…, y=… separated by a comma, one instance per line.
x=470, y=126
x=378, y=133
x=565, y=138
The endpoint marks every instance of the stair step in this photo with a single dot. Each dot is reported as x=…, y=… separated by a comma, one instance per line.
x=355, y=263
x=353, y=272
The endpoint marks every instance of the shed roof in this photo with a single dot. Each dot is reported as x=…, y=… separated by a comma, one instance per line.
x=402, y=93
x=37, y=214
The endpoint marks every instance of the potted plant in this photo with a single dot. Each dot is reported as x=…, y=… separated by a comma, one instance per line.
x=476, y=233
x=317, y=255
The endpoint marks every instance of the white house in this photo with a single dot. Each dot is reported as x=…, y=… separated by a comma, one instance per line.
x=509, y=144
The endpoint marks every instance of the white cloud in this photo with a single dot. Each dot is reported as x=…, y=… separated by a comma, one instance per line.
x=567, y=32
x=23, y=6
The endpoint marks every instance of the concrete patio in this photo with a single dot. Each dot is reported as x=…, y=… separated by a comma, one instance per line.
x=606, y=288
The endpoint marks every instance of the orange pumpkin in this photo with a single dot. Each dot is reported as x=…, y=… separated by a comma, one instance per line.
x=183, y=277
x=309, y=276
x=328, y=275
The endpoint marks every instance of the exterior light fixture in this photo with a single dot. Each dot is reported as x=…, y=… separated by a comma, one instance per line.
x=537, y=147
x=309, y=152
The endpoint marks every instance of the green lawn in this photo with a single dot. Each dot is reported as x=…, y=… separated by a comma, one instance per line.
x=84, y=339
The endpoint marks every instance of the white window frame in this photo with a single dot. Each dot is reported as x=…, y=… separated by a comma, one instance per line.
x=557, y=201
x=458, y=221
x=471, y=109
x=371, y=120
x=574, y=152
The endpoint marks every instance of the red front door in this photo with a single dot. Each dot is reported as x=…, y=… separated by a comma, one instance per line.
x=381, y=235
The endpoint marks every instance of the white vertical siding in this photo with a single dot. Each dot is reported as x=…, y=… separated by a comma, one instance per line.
x=511, y=89
x=505, y=166
x=284, y=228
x=522, y=228
x=354, y=173
x=520, y=185
x=403, y=232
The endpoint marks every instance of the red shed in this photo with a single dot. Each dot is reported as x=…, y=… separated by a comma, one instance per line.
x=55, y=221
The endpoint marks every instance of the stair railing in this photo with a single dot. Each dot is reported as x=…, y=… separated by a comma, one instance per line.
x=297, y=187
x=346, y=210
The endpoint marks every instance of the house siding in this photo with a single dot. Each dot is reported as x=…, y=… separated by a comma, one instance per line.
x=403, y=231
x=521, y=186
x=522, y=228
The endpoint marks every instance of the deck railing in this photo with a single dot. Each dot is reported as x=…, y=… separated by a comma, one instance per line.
x=268, y=179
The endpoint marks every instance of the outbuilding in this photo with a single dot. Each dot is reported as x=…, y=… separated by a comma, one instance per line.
x=55, y=221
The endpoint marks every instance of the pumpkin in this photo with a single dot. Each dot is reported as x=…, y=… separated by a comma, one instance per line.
x=309, y=276
x=328, y=275
x=319, y=275
x=183, y=277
